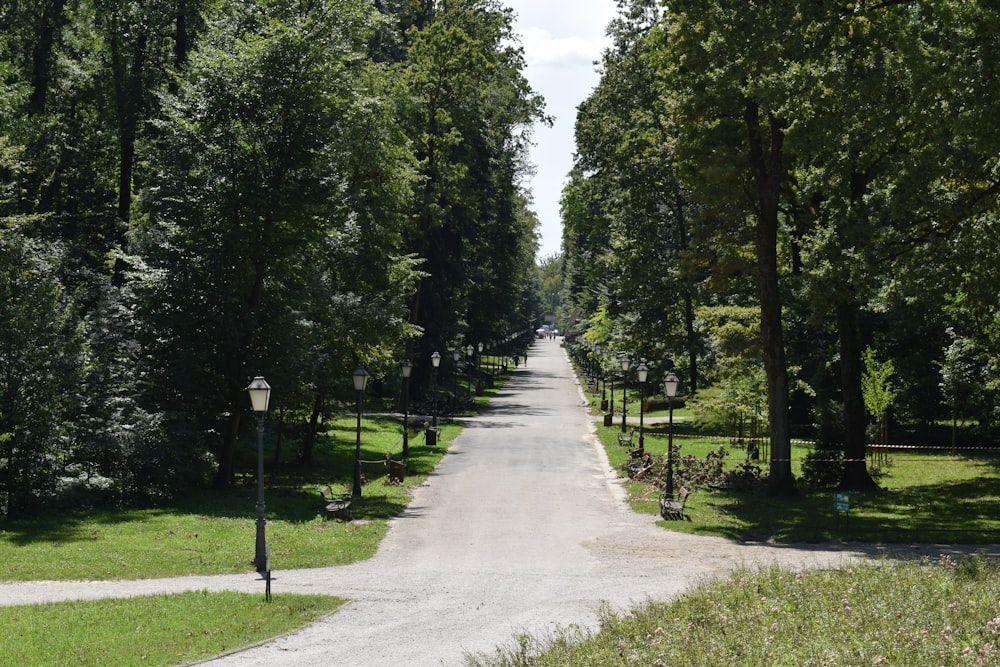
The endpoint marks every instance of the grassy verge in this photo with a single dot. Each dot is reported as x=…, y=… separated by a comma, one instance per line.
x=943, y=613
x=936, y=497
x=160, y=630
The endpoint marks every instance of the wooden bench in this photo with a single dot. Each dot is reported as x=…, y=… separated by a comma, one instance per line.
x=334, y=505
x=671, y=508
x=625, y=439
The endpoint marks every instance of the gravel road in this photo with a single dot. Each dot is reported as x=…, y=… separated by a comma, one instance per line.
x=522, y=527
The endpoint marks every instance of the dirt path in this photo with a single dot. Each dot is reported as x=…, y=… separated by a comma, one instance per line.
x=523, y=527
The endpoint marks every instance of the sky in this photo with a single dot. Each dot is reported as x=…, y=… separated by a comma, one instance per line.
x=562, y=40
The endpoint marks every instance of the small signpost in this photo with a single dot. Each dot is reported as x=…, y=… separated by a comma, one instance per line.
x=842, y=505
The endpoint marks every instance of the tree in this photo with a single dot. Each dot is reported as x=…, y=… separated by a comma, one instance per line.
x=721, y=81
x=40, y=367
x=259, y=196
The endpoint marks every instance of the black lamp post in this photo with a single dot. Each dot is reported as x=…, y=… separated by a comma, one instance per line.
x=435, y=362
x=670, y=384
x=624, y=362
x=468, y=368
x=456, y=354
x=642, y=371
x=479, y=368
x=360, y=377
x=611, y=407
x=407, y=368
x=260, y=396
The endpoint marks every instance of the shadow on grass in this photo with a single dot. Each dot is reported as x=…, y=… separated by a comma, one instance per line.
x=960, y=512
x=291, y=490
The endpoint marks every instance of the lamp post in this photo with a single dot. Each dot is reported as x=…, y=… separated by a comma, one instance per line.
x=468, y=369
x=456, y=354
x=479, y=369
x=360, y=377
x=260, y=396
x=670, y=384
x=407, y=368
x=611, y=406
x=435, y=362
x=642, y=371
x=624, y=362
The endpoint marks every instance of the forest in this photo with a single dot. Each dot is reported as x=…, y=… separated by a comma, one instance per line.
x=196, y=192
x=794, y=206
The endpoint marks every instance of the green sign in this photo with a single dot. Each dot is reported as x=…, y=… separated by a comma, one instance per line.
x=841, y=502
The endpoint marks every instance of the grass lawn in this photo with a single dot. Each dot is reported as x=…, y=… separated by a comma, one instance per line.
x=926, y=497
x=158, y=630
x=213, y=532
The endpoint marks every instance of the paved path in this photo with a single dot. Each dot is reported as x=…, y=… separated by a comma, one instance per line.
x=522, y=527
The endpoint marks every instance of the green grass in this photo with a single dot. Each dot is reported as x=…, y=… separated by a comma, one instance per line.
x=942, y=613
x=213, y=532
x=159, y=630
x=936, y=497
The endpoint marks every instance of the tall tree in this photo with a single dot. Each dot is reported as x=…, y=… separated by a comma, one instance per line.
x=257, y=182
x=720, y=73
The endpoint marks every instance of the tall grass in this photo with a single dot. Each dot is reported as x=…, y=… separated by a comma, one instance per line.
x=914, y=613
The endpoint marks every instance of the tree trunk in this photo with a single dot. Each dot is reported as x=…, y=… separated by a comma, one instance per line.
x=225, y=474
x=310, y=440
x=49, y=28
x=765, y=166
x=855, y=476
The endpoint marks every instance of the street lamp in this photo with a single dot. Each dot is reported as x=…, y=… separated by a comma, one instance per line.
x=624, y=362
x=435, y=362
x=456, y=354
x=670, y=384
x=479, y=369
x=468, y=369
x=260, y=396
x=641, y=371
x=407, y=368
x=360, y=377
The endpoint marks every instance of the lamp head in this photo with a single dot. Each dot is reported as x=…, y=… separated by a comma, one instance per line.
x=260, y=394
x=360, y=377
x=670, y=384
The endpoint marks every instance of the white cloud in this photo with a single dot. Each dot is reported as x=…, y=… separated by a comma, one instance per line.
x=543, y=49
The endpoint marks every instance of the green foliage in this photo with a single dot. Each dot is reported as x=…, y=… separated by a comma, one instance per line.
x=40, y=366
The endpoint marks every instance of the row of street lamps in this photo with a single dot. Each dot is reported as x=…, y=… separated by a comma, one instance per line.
x=671, y=383
x=260, y=397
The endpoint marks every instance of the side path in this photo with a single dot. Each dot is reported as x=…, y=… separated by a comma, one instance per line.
x=523, y=527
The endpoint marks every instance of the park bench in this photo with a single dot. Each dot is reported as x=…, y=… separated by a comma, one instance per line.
x=334, y=505
x=625, y=439
x=673, y=508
